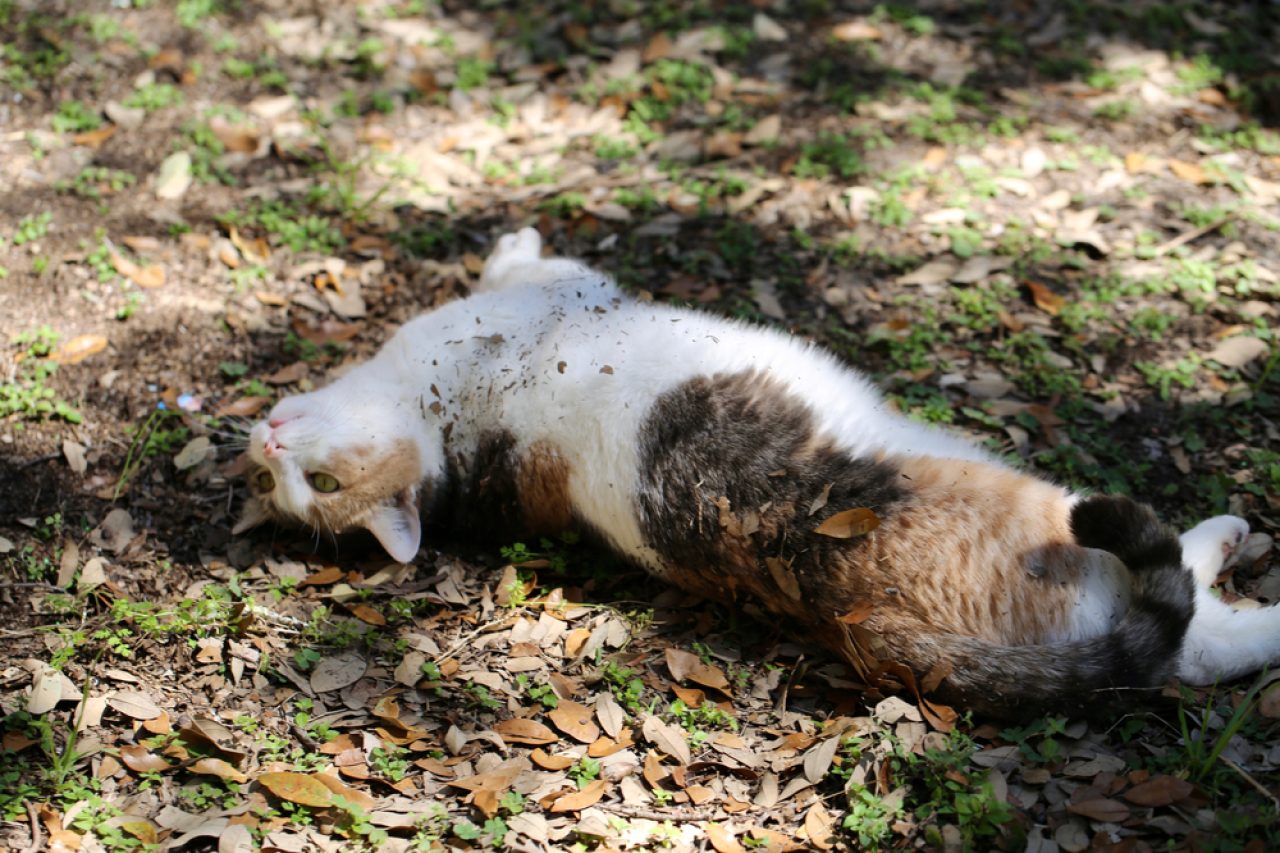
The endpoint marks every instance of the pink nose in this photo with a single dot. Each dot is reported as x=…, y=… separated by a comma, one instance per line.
x=275, y=422
x=270, y=448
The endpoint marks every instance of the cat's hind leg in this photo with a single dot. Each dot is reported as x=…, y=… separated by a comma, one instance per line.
x=1223, y=642
x=1208, y=547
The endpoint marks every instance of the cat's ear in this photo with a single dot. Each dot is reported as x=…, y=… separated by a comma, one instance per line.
x=397, y=526
x=251, y=516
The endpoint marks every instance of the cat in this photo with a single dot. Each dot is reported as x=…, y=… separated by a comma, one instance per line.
x=711, y=453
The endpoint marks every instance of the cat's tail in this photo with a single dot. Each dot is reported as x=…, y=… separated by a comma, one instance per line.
x=1140, y=652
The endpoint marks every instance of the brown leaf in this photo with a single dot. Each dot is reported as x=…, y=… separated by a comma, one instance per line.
x=326, y=331
x=523, y=730
x=235, y=137
x=584, y=799
x=288, y=375
x=95, y=138
x=218, y=767
x=575, y=720
x=1101, y=808
x=941, y=717
x=1045, y=299
x=722, y=840
x=1190, y=172
x=351, y=795
x=338, y=671
x=327, y=575
x=142, y=760
x=367, y=614
x=297, y=788
x=244, y=407
x=689, y=696
x=667, y=737
x=1160, y=791
x=686, y=665
x=256, y=250
x=546, y=761
x=849, y=523
x=134, y=703
x=148, y=276
x=819, y=825
x=861, y=610
x=783, y=577
x=772, y=841
x=856, y=31
x=79, y=348
x=495, y=781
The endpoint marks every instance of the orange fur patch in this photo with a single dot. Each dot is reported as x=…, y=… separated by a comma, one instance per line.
x=542, y=485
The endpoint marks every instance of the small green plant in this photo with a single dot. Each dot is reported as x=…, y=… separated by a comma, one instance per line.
x=472, y=72
x=28, y=395
x=32, y=227
x=97, y=181
x=390, y=761
x=829, y=153
x=75, y=117
x=585, y=771
x=154, y=96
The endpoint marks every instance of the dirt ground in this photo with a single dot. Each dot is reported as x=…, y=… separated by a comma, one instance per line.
x=1051, y=226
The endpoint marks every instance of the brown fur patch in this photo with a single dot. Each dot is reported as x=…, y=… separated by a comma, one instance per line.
x=542, y=485
x=980, y=550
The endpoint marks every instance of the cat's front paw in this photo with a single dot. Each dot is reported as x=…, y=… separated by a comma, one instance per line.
x=1211, y=545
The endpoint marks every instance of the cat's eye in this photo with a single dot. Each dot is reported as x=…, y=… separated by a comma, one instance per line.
x=265, y=481
x=322, y=482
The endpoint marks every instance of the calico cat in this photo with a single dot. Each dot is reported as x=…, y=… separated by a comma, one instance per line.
x=711, y=453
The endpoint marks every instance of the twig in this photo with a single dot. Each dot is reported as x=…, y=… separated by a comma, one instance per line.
x=1275, y=804
x=677, y=815
x=456, y=647
x=1187, y=236
x=48, y=457
x=31, y=584
x=36, y=837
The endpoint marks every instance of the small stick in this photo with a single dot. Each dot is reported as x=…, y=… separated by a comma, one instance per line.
x=1275, y=804
x=678, y=815
x=1195, y=234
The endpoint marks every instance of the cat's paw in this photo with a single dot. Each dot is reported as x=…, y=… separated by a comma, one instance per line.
x=1209, y=547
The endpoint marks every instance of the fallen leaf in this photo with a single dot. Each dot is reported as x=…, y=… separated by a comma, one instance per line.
x=134, y=703
x=579, y=800
x=686, y=665
x=351, y=795
x=288, y=375
x=668, y=738
x=524, y=730
x=149, y=276
x=338, y=671
x=95, y=138
x=244, y=407
x=722, y=839
x=849, y=523
x=193, y=453
x=575, y=720
x=819, y=825
x=856, y=31
x=79, y=348
x=327, y=575
x=73, y=451
x=861, y=610
x=780, y=571
x=367, y=614
x=817, y=761
x=218, y=767
x=1239, y=351
x=1190, y=172
x=1101, y=808
x=174, y=176
x=1045, y=299
x=139, y=759
x=547, y=761
x=297, y=788
x=1160, y=791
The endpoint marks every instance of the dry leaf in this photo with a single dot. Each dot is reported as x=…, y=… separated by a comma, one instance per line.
x=783, y=577
x=546, y=761
x=1160, y=791
x=610, y=714
x=849, y=523
x=133, y=703
x=327, y=575
x=856, y=31
x=1101, y=808
x=686, y=665
x=218, y=767
x=245, y=407
x=817, y=761
x=1190, y=172
x=722, y=840
x=859, y=613
x=148, y=276
x=819, y=825
x=79, y=348
x=668, y=738
x=351, y=795
x=1045, y=299
x=575, y=720
x=579, y=800
x=367, y=614
x=73, y=451
x=95, y=138
x=142, y=760
x=523, y=730
x=1239, y=351
x=297, y=788
x=334, y=673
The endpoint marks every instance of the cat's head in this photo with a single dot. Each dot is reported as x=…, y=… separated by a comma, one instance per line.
x=335, y=460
